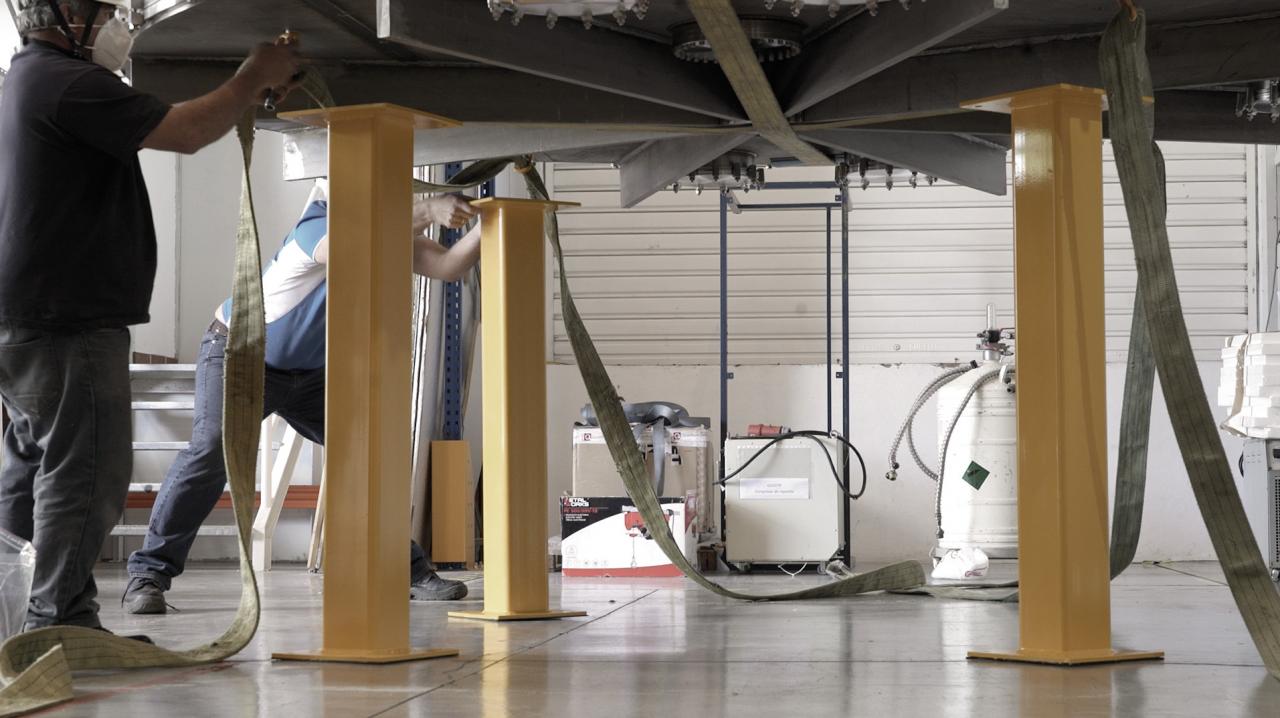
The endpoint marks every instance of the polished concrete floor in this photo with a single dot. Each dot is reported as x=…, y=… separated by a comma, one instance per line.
x=665, y=648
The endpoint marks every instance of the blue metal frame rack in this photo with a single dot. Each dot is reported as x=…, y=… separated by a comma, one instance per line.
x=453, y=368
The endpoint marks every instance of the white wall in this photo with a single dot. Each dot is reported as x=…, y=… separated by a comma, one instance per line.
x=160, y=335
x=894, y=520
x=210, y=201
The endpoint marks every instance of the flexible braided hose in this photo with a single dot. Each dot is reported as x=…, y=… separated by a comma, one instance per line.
x=906, y=429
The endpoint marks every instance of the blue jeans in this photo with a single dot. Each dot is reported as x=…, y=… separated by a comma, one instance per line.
x=67, y=457
x=198, y=476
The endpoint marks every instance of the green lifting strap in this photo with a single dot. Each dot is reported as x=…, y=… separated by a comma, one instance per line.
x=36, y=666
x=626, y=455
x=1127, y=78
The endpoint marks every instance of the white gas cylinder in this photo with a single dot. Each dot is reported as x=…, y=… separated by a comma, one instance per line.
x=980, y=487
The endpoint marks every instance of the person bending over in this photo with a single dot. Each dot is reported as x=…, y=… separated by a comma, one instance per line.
x=294, y=291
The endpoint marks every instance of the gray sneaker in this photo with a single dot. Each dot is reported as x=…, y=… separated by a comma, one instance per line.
x=143, y=596
x=434, y=588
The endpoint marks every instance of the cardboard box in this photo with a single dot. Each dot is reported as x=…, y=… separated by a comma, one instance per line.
x=690, y=468
x=605, y=536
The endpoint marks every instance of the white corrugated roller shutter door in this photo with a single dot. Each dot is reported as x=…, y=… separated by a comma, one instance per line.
x=924, y=263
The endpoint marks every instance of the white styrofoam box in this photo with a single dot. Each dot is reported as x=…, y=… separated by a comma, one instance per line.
x=1250, y=403
x=1250, y=375
x=1261, y=412
x=1254, y=374
x=1256, y=339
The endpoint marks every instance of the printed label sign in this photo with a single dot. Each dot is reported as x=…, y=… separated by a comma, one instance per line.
x=760, y=488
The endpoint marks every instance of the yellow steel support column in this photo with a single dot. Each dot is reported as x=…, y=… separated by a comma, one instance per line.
x=1065, y=587
x=366, y=559
x=513, y=322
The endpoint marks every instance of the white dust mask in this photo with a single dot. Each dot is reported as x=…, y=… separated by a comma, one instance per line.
x=112, y=45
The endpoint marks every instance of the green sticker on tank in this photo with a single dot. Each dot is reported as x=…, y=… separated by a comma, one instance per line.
x=975, y=475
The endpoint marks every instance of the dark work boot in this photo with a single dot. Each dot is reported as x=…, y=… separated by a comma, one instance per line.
x=434, y=588
x=143, y=596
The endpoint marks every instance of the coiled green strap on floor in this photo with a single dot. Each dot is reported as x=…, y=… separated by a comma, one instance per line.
x=1127, y=78
x=630, y=464
x=36, y=666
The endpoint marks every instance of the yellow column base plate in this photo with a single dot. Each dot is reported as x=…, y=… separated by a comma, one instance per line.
x=374, y=657
x=1074, y=658
x=531, y=616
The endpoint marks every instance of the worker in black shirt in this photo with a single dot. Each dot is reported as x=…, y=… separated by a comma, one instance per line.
x=77, y=265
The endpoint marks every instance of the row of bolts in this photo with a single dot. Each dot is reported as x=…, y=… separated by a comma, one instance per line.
x=755, y=177
x=641, y=7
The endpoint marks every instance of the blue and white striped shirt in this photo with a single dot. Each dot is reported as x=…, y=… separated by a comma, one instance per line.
x=295, y=291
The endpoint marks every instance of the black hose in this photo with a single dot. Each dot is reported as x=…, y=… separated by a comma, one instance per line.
x=813, y=436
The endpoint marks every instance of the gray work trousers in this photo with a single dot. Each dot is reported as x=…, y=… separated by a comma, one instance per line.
x=66, y=459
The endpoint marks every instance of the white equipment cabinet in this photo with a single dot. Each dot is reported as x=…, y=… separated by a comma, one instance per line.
x=786, y=506
x=1260, y=493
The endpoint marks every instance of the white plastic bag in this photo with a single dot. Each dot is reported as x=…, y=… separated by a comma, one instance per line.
x=17, y=568
x=962, y=563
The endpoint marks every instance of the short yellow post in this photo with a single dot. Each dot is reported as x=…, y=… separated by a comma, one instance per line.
x=1063, y=568
x=452, y=504
x=513, y=321
x=366, y=560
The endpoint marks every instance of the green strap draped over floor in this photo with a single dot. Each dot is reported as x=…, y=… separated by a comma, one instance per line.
x=36, y=666
x=1127, y=78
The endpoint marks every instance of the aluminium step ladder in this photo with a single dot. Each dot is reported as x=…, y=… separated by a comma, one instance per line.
x=164, y=388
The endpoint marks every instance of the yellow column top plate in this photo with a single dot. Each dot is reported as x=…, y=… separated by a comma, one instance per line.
x=517, y=202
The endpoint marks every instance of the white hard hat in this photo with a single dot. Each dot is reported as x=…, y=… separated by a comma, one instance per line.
x=125, y=6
